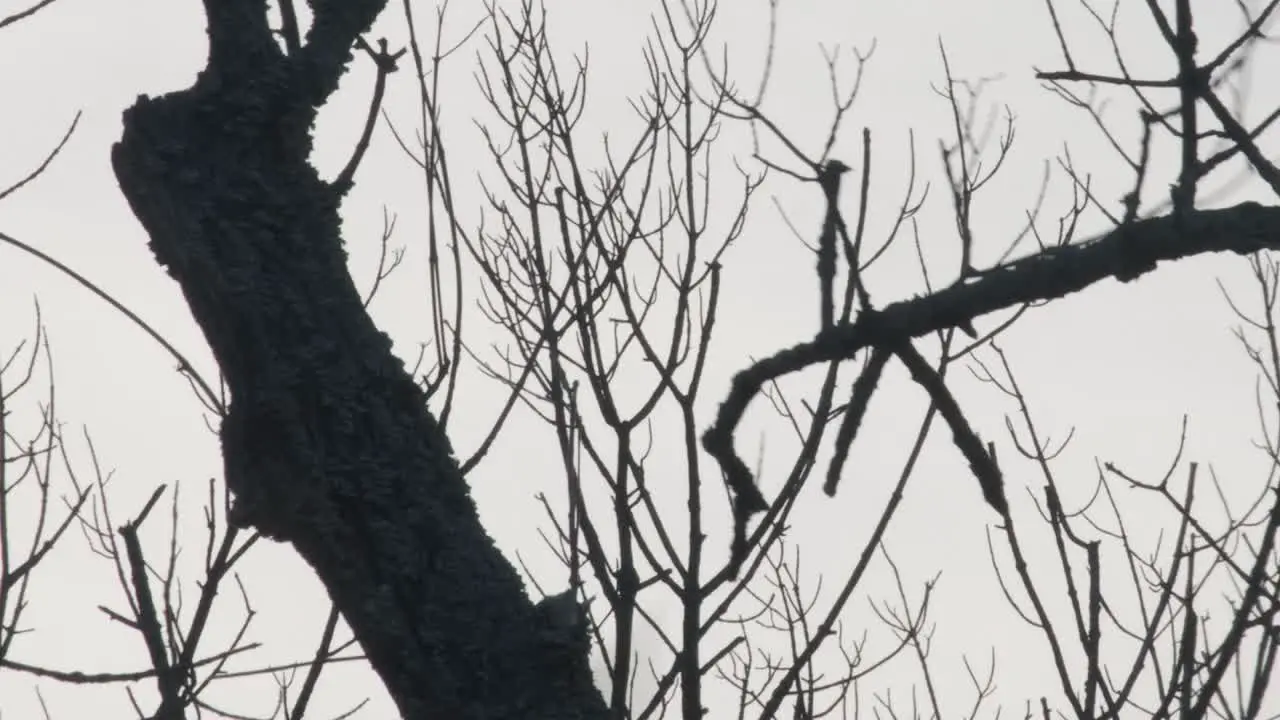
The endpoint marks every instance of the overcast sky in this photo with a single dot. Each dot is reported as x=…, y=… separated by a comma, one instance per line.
x=1117, y=367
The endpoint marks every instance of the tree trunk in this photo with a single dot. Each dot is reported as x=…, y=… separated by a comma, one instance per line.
x=328, y=443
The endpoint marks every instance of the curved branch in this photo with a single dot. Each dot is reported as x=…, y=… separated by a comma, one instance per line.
x=336, y=26
x=386, y=64
x=209, y=397
x=1125, y=253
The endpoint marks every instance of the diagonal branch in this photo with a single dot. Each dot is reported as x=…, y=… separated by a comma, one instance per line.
x=854, y=412
x=981, y=460
x=1124, y=253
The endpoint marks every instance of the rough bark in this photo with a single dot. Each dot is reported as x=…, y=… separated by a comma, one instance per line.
x=328, y=443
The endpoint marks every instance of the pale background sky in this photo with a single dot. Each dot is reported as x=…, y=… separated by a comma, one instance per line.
x=1119, y=364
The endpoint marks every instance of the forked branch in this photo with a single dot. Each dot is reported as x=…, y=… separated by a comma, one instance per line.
x=1125, y=253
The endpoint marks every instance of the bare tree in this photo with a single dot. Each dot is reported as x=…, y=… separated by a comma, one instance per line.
x=599, y=270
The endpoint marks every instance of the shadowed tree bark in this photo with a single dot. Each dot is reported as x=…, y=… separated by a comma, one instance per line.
x=328, y=443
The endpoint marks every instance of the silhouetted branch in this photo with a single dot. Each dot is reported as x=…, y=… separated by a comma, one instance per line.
x=147, y=618
x=289, y=28
x=208, y=396
x=23, y=14
x=323, y=653
x=853, y=414
x=1125, y=254
x=981, y=461
x=386, y=64
x=47, y=160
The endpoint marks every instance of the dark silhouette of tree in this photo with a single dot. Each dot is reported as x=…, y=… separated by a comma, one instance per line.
x=331, y=444
x=327, y=440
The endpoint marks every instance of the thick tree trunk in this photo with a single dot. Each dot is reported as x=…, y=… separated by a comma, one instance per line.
x=328, y=443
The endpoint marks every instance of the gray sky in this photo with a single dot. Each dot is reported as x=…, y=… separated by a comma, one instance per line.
x=1118, y=365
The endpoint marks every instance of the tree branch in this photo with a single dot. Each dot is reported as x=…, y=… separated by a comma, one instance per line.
x=1125, y=254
